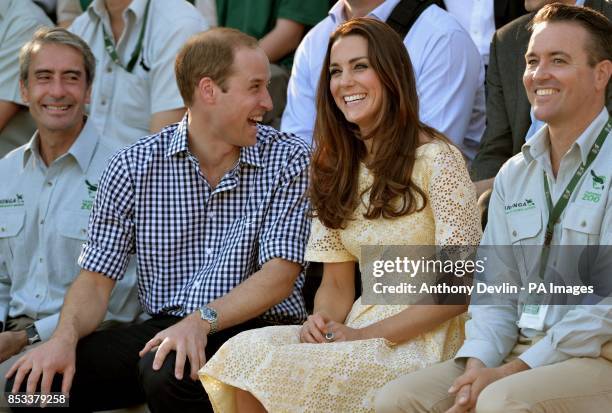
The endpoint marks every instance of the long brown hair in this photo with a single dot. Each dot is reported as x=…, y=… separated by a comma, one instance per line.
x=339, y=147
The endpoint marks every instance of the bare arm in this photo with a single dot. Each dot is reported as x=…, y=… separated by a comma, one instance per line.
x=7, y=111
x=261, y=291
x=283, y=39
x=160, y=120
x=336, y=294
x=84, y=306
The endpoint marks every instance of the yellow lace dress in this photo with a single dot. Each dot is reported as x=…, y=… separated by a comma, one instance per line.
x=288, y=376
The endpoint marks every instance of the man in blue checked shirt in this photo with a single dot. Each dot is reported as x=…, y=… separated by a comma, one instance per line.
x=215, y=209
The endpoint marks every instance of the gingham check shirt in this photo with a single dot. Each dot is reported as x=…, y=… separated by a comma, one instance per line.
x=194, y=244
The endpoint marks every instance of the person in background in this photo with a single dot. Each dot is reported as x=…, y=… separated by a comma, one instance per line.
x=135, y=42
x=18, y=21
x=447, y=66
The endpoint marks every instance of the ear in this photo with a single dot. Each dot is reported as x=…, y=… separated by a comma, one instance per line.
x=603, y=71
x=207, y=90
x=23, y=90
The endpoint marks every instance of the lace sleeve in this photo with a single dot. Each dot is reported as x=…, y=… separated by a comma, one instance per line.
x=325, y=245
x=453, y=200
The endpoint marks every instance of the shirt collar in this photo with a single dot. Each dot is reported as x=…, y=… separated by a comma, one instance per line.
x=382, y=12
x=539, y=144
x=82, y=150
x=98, y=8
x=179, y=143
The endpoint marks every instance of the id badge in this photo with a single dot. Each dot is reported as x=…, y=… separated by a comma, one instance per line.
x=533, y=316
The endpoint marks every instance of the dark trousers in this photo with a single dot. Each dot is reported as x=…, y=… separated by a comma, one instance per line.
x=111, y=375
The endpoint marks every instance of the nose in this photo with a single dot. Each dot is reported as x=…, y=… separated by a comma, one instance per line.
x=346, y=78
x=540, y=72
x=57, y=89
x=266, y=100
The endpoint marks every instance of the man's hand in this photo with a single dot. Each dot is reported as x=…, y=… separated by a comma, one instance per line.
x=188, y=338
x=55, y=356
x=470, y=384
x=11, y=343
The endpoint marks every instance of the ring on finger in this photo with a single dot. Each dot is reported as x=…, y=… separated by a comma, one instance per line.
x=330, y=336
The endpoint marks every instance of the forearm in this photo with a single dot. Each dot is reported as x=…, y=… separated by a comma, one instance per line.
x=261, y=291
x=412, y=322
x=84, y=306
x=7, y=111
x=282, y=40
x=336, y=294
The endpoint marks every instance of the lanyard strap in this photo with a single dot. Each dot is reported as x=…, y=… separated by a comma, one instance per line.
x=556, y=211
x=112, y=52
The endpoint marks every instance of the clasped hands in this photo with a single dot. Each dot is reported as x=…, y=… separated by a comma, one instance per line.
x=318, y=328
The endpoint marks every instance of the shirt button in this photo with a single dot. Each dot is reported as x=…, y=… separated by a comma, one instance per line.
x=514, y=233
x=583, y=224
x=37, y=295
x=40, y=260
x=49, y=183
x=103, y=102
x=2, y=229
x=42, y=222
x=83, y=231
x=109, y=69
x=209, y=251
x=211, y=215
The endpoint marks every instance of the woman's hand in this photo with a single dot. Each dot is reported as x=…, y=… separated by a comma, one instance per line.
x=313, y=330
x=340, y=332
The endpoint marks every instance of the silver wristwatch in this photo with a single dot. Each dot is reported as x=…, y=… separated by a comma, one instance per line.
x=210, y=315
x=32, y=334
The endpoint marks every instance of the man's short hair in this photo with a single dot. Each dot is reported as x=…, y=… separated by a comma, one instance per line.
x=56, y=35
x=596, y=24
x=209, y=54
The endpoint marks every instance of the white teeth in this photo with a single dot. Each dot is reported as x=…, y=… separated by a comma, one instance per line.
x=57, y=107
x=545, y=92
x=257, y=119
x=353, y=98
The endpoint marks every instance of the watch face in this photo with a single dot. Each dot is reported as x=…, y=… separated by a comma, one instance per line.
x=208, y=313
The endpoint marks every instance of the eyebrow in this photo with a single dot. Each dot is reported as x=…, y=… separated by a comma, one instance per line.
x=354, y=59
x=553, y=53
x=65, y=72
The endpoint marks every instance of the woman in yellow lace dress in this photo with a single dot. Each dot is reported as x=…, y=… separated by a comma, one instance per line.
x=378, y=177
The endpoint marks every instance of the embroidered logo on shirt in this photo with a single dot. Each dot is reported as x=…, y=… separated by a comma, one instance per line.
x=12, y=202
x=520, y=206
x=91, y=190
x=599, y=182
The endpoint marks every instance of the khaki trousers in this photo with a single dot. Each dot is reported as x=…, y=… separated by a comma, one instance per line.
x=574, y=386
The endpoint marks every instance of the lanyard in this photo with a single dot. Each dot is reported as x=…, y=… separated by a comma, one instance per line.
x=110, y=47
x=556, y=211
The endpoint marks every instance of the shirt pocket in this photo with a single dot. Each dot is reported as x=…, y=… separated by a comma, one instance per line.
x=133, y=100
x=582, y=225
x=73, y=225
x=11, y=225
x=524, y=227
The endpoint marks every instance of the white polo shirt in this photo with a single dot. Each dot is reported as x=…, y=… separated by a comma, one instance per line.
x=44, y=214
x=123, y=103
